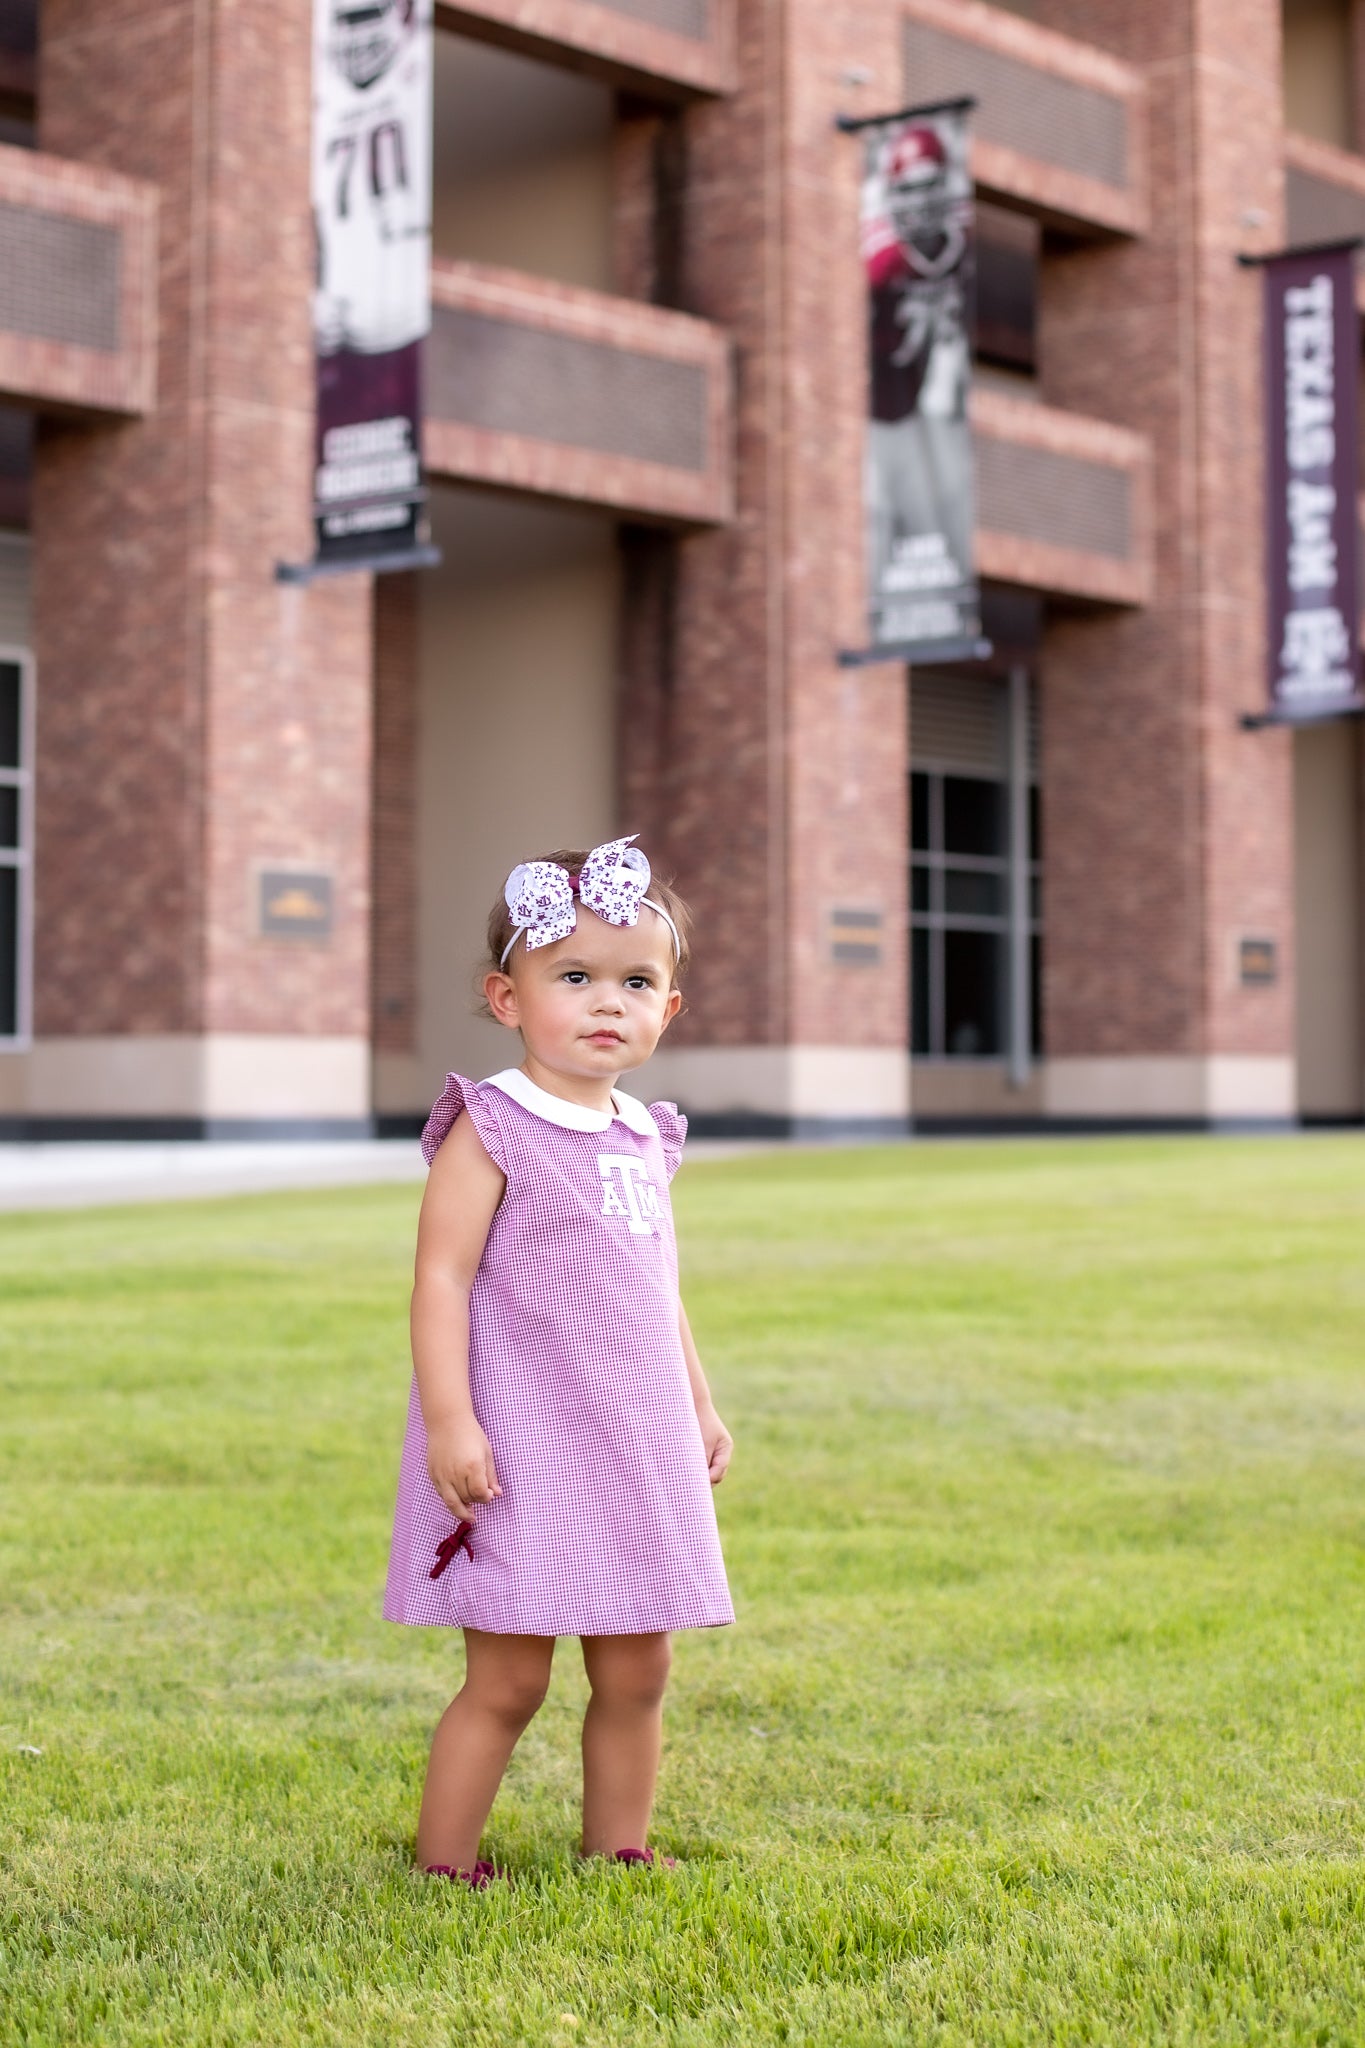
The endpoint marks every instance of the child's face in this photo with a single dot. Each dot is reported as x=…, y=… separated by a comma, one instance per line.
x=593, y=1005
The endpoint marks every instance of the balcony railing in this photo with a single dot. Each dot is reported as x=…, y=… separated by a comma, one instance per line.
x=77, y=286
x=574, y=394
x=1059, y=128
x=1064, y=503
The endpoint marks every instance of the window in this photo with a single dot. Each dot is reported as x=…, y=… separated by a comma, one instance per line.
x=16, y=843
x=959, y=915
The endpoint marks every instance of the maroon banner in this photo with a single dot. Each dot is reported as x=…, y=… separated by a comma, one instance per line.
x=1312, y=363
x=371, y=308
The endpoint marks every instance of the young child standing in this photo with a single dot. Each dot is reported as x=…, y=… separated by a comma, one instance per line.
x=561, y=1443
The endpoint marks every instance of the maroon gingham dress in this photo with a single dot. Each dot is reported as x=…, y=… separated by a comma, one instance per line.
x=605, y=1524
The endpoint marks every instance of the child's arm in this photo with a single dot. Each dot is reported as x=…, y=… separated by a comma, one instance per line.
x=463, y=1191
x=716, y=1437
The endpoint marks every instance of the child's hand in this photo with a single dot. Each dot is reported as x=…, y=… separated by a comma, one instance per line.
x=460, y=1461
x=720, y=1445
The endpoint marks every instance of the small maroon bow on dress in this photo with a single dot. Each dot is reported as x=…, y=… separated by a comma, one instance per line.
x=450, y=1546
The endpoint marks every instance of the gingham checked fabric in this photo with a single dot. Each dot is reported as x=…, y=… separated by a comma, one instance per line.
x=605, y=1525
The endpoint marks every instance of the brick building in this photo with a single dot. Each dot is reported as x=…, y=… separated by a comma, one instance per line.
x=645, y=394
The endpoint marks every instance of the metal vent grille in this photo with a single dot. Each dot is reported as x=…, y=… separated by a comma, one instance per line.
x=1317, y=211
x=957, y=722
x=683, y=17
x=14, y=590
x=1037, y=494
x=59, y=278
x=1024, y=108
x=557, y=387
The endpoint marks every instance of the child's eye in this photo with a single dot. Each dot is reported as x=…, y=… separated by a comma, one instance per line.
x=639, y=981
x=575, y=975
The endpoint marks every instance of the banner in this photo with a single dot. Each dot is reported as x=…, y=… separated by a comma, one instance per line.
x=917, y=247
x=1312, y=362
x=372, y=304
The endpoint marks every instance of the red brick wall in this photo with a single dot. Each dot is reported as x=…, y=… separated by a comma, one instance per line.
x=198, y=720
x=1169, y=830
x=776, y=777
x=119, y=869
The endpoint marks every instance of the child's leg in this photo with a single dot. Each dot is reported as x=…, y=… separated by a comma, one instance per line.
x=622, y=1733
x=505, y=1681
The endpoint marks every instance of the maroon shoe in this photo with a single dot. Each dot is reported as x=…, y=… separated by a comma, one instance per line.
x=645, y=1856
x=477, y=1879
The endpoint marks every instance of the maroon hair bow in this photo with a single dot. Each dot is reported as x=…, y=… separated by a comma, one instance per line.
x=449, y=1548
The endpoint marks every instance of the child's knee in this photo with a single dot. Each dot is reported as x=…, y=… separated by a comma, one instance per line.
x=512, y=1697
x=637, y=1677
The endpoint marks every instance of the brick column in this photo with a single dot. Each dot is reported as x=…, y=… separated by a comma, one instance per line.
x=774, y=780
x=198, y=722
x=1169, y=830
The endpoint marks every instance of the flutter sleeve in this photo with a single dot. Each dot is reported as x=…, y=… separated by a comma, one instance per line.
x=672, y=1130
x=462, y=1095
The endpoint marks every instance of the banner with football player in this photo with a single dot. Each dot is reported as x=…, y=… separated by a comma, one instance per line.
x=372, y=304
x=1312, y=359
x=917, y=249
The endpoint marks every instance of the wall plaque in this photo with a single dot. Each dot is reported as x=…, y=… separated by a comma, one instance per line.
x=1258, y=963
x=855, y=936
x=295, y=903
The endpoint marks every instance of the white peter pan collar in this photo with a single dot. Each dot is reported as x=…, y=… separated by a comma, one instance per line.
x=573, y=1116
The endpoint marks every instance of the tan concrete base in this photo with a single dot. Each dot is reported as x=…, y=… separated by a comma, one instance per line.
x=823, y=1082
x=1219, y=1086
x=970, y=1088
x=399, y=1086
x=830, y=1082
x=224, y=1075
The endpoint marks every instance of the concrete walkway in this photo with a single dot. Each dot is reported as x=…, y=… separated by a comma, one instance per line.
x=76, y=1176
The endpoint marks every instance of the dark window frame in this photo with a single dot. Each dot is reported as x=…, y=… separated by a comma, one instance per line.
x=16, y=973
x=929, y=925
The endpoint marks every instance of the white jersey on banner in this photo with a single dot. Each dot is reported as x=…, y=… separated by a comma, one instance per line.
x=372, y=173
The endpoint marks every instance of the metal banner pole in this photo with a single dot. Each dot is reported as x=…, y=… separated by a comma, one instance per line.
x=1020, y=892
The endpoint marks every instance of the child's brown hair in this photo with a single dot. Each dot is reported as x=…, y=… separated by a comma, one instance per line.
x=571, y=858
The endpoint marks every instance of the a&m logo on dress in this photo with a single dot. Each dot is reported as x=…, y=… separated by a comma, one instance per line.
x=628, y=1191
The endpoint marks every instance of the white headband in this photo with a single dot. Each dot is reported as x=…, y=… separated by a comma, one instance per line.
x=613, y=880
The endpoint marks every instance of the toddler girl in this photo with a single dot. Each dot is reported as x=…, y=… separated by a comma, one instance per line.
x=561, y=1443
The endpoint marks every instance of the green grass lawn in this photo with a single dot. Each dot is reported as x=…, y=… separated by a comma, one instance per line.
x=1044, y=1720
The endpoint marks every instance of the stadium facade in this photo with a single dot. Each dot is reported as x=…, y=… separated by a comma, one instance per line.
x=251, y=829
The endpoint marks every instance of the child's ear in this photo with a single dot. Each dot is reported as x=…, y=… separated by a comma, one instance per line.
x=500, y=994
x=671, y=1009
